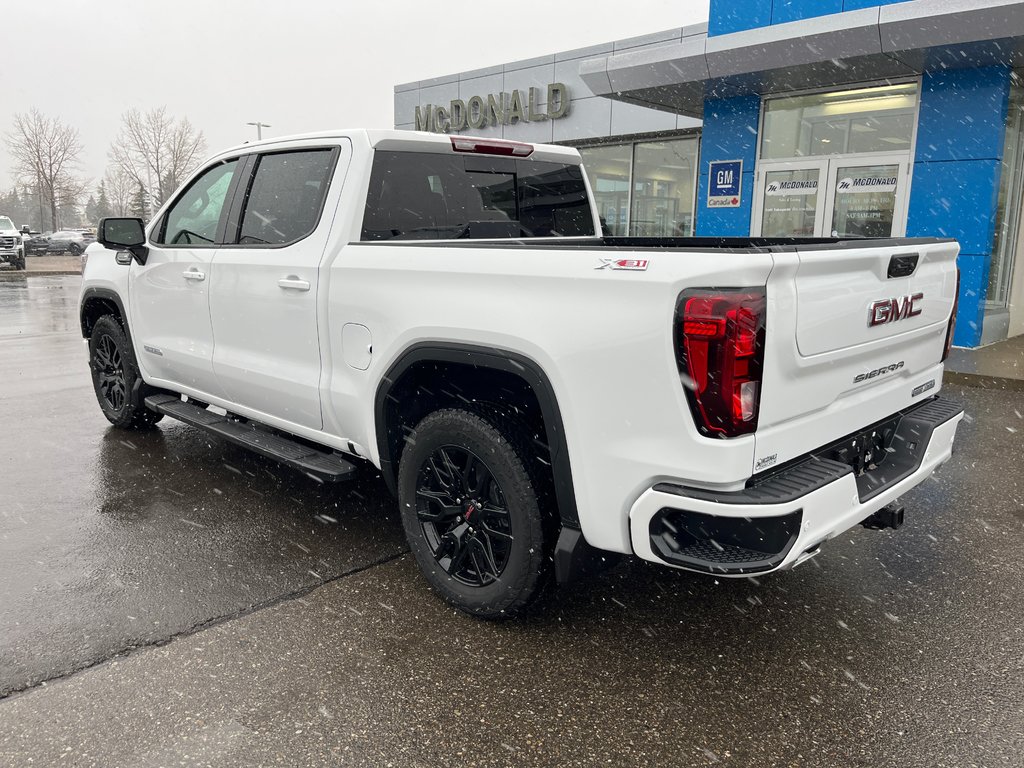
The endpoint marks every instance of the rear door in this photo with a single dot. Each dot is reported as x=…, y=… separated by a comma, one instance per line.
x=266, y=282
x=169, y=295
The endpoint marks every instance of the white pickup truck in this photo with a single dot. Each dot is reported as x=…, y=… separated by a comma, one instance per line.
x=12, y=244
x=535, y=394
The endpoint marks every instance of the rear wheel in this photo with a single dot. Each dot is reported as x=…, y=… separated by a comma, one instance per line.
x=471, y=513
x=115, y=375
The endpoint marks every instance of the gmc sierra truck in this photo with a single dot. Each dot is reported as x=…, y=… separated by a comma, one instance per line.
x=534, y=393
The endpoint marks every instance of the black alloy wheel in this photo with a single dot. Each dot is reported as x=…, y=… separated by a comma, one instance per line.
x=116, y=380
x=464, y=516
x=475, y=507
x=109, y=370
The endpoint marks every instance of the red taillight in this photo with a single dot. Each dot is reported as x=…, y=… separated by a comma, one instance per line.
x=951, y=329
x=491, y=146
x=720, y=350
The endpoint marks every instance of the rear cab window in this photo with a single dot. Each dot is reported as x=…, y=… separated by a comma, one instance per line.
x=285, y=199
x=431, y=196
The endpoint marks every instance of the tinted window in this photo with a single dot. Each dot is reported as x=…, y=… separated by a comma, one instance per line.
x=287, y=193
x=421, y=196
x=194, y=217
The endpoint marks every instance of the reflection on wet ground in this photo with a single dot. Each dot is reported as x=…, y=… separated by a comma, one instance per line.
x=39, y=305
x=112, y=539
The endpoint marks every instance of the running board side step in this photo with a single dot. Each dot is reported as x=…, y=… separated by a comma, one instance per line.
x=320, y=465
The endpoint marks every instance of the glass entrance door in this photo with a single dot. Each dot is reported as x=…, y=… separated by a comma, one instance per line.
x=867, y=197
x=790, y=203
x=845, y=196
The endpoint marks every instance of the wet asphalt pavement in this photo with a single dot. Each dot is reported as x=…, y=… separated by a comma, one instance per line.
x=891, y=648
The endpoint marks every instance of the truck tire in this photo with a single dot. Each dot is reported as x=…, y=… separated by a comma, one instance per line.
x=115, y=375
x=19, y=262
x=472, y=513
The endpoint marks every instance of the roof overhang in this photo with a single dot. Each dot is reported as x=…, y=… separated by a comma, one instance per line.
x=892, y=41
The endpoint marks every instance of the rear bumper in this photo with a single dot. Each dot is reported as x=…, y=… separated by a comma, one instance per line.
x=780, y=520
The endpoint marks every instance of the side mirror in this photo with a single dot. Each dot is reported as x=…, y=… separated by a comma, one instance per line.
x=25, y=230
x=124, y=235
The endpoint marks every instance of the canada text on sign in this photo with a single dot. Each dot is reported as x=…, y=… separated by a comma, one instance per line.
x=494, y=109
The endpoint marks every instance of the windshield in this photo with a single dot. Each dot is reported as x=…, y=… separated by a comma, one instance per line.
x=6, y=223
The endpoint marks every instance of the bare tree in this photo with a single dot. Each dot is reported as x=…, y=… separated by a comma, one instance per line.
x=120, y=187
x=156, y=151
x=46, y=153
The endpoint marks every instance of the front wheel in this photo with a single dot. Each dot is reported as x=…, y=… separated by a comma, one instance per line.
x=472, y=515
x=115, y=375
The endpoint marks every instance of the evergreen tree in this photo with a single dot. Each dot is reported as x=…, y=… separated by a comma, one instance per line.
x=90, y=211
x=138, y=204
x=103, y=208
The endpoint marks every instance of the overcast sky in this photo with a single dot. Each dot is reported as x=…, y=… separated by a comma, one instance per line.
x=300, y=65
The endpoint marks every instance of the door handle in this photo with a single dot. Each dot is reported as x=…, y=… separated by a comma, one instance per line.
x=193, y=274
x=294, y=283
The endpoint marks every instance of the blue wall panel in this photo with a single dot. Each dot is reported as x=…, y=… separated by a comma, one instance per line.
x=963, y=114
x=955, y=199
x=794, y=10
x=956, y=176
x=736, y=15
x=970, y=315
x=729, y=133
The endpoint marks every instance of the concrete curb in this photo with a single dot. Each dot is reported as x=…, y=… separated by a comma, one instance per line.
x=10, y=276
x=981, y=381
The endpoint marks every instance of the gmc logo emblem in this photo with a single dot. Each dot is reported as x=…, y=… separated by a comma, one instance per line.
x=891, y=310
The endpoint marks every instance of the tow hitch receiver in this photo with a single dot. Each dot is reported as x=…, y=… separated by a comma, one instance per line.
x=890, y=516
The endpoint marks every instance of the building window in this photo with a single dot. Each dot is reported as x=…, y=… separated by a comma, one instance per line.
x=1011, y=182
x=860, y=120
x=644, y=189
x=663, y=188
x=608, y=169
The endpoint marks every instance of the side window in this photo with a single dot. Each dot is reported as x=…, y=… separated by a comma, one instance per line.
x=432, y=196
x=286, y=196
x=194, y=217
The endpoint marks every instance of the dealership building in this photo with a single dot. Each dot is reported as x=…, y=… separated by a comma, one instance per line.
x=788, y=118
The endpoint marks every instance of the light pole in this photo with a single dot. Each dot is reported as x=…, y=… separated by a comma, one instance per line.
x=259, y=129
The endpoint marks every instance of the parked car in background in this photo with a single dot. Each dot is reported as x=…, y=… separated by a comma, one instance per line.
x=67, y=241
x=35, y=243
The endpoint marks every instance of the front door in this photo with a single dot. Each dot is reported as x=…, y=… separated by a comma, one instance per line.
x=169, y=295
x=844, y=196
x=266, y=281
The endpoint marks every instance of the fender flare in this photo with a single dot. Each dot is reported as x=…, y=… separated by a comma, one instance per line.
x=99, y=293
x=502, y=360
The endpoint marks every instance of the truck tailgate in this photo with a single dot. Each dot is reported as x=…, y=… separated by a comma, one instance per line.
x=855, y=332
